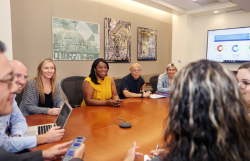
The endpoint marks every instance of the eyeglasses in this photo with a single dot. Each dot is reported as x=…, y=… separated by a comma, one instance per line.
x=9, y=81
x=242, y=85
x=136, y=71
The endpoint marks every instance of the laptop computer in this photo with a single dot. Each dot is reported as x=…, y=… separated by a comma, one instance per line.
x=60, y=121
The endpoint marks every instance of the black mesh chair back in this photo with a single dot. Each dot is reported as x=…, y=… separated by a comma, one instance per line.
x=72, y=88
x=153, y=82
x=234, y=73
x=19, y=97
x=118, y=85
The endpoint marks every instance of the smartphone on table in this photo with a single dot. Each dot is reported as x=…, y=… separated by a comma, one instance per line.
x=74, y=145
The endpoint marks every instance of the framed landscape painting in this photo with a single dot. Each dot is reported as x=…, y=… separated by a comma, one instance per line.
x=75, y=40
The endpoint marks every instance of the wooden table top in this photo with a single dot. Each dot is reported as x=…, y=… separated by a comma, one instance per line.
x=105, y=140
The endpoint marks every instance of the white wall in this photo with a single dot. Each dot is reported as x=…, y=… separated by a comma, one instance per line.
x=5, y=27
x=32, y=32
x=218, y=21
x=192, y=31
x=182, y=40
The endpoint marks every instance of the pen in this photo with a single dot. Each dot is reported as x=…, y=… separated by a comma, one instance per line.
x=157, y=147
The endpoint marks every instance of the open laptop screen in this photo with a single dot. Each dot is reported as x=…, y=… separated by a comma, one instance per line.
x=63, y=115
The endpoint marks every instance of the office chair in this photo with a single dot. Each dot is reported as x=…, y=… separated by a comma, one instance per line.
x=153, y=82
x=234, y=73
x=72, y=88
x=118, y=85
x=19, y=97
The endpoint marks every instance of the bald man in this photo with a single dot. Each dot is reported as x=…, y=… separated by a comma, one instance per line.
x=133, y=84
x=20, y=74
x=14, y=125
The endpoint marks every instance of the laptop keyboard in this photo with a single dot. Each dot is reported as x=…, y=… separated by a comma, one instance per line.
x=44, y=128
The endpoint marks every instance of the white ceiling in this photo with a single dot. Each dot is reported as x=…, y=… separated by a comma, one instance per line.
x=198, y=7
x=189, y=4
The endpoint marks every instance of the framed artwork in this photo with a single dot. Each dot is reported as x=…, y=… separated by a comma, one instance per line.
x=117, y=41
x=75, y=40
x=147, y=44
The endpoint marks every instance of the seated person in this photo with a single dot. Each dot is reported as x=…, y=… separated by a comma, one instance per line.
x=207, y=118
x=133, y=83
x=42, y=94
x=13, y=125
x=243, y=78
x=165, y=79
x=99, y=89
x=7, y=90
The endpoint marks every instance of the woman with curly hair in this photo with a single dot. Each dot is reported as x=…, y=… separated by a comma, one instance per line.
x=207, y=118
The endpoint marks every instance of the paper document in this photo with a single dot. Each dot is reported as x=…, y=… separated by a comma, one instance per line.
x=155, y=96
x=164, y=94
x=146, y=158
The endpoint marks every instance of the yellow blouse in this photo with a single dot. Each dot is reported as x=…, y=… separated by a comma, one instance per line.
x=102, y=90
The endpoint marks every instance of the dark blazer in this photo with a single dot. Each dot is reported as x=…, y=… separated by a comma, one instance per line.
x=32, y=156
x=29, y=156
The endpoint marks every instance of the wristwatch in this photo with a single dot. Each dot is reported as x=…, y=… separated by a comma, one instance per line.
x=142, y=94
x=17, y=135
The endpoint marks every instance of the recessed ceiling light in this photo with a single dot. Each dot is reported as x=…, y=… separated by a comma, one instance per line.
x=216, y=11
x=194, y=0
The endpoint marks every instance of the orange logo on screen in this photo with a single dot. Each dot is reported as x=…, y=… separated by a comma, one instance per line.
x=220, y=48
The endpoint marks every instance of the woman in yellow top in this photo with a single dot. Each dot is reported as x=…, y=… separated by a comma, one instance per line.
x=99, y=89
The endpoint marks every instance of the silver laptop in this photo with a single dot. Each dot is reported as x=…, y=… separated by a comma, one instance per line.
x=60, y=121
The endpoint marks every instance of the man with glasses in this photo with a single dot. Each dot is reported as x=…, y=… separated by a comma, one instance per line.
x=7, y=90
x=14, y=125
x=133, y=83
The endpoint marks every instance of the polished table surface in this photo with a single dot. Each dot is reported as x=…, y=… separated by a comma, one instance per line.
x=105, y=140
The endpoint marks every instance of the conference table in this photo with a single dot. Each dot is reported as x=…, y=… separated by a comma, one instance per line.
x=105, y=140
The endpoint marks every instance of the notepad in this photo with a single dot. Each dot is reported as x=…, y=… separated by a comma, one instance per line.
x=146, y=158
x=156, y=96
x=164, y=94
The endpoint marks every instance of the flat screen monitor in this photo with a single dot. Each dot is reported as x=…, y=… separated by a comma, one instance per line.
x=229, y=45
